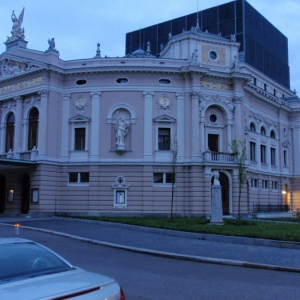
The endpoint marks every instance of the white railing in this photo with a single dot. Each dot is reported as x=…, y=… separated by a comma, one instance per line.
x=224, y=157
x=23, y=155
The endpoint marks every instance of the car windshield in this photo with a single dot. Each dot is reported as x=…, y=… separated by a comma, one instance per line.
x=19, y=260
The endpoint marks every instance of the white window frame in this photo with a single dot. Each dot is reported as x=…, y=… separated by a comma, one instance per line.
x=164, y=183
x=254, y=183
x=265, y=184
x=78, y=183
x=79, y=122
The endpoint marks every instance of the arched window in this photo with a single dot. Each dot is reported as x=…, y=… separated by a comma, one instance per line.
x=262, y=131
x=10, y=132
x=252, y=127
x=33, y=128
x=272, y=134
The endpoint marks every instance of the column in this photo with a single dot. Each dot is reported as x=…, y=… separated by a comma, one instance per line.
x=65, y=126
x=202, y=135
x=148, y=124
x=95, y=125
x=238, y=129
x=180, y=125
x=43, y=117
x=195, y=132
x=229, y=134
x=2, y=141
x=25, y=125
x=18, y=127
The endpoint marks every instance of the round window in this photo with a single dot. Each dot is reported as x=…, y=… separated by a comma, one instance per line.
x=213, y=55
x=213, y=118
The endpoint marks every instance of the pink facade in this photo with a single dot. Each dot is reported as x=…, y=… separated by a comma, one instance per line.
x=103, y=131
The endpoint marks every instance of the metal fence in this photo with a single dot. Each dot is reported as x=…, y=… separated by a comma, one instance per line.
x=258, y=208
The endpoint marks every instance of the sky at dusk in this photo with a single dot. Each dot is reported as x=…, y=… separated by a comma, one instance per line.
x=78, y=26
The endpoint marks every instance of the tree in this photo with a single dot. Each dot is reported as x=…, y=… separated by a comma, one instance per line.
x=238, y=148
x=174, y=150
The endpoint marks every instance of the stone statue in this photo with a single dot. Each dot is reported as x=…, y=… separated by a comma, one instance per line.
x=236, y=64
x=216, y=178
x=121, y=132
x=17, y=32
x=51, y=44
x=194, y=58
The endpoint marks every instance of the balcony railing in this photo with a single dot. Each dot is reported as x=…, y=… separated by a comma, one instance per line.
x=267, y=208
x=224, y=157
x=22, y=155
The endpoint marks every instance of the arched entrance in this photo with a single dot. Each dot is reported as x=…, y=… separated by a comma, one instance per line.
x=225, y=192
x=25, y=201
x=2, y=193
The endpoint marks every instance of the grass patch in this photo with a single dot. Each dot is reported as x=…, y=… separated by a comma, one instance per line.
x=231, y=227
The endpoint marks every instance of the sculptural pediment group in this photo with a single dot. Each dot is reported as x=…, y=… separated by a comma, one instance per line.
x=11, y=67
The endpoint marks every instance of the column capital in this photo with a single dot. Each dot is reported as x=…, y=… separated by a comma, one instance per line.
x=148, y=93
x=18, y=98
x=195, y=94
x=180, y=94
x=66, y=96
x=95, y=94
x=43, y=92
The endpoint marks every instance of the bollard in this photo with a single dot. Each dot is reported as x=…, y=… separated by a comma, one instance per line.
x=17, y=229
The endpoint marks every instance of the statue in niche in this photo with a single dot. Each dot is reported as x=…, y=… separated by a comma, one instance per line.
x=17, y=32
x=121, y=132
x=194, y=58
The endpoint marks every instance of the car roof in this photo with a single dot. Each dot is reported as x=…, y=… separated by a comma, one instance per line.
x=13, y=240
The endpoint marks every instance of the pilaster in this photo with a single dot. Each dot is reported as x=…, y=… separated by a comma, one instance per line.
x=148, y=125
x=18, y=126
x=42, y=135
x=65, y=126
x=180, y=125
x=95, y=125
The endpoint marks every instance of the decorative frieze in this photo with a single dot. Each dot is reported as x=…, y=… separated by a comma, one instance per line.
x=9, y=67
x=22, y=85
x=216, y=86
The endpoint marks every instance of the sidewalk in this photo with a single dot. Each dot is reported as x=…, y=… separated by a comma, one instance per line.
x=242, y=252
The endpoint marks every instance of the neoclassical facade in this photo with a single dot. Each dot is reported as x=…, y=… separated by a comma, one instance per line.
x=102, y=135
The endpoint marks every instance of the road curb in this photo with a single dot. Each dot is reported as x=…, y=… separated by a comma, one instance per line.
x=172, y=255
x=201, y=236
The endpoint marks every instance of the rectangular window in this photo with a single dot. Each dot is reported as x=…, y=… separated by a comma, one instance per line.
x=265, y=87
x=253, y=183
x=164, y=139
x=213, y=142
x=273, y=156
x=82, y=177
x=254, y=81
x=252, y=151
x=162, y=178
x=263, y=157
x=275, y=92
x=79, y=139
x=284, y=158
x=274, y=185
x=265, y=184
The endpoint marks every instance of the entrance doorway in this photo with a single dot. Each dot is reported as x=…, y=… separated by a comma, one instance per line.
x=2, y=193
x=25, y=201
x=225, y=193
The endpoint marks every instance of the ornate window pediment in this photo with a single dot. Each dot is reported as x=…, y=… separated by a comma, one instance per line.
x=164, y=119
x=79, y=119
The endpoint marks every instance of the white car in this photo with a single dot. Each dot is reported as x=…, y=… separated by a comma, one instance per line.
x=30, y=271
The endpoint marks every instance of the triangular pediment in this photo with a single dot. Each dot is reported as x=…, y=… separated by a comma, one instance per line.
x=164, y=119
x=79, y=119
x=10, y=67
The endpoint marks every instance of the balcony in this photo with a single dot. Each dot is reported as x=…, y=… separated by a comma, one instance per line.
x=218, y=157
x=21, y=155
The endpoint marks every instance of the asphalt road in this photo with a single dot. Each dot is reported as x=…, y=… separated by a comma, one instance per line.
x=146, y=277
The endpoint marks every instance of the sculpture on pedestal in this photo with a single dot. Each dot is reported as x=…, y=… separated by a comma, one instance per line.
x=17, y=32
